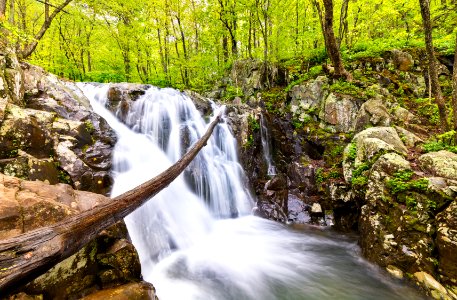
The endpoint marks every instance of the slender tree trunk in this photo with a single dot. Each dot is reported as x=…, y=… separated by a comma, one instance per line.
x=3, y=8
x=184, y=49
x=250, y=35
x=29, y=48
x=343, y=30
x=436, y=88
x=12, y=12
x=29, y=255
x=454, y=92
x=161, y=53
x=225, y=48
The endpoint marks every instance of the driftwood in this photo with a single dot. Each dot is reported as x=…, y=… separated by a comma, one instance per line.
x=25, y=257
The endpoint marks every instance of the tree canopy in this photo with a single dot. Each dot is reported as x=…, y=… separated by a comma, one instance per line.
x=189, y=43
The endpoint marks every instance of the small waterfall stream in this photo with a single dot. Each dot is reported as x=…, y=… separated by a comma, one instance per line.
x=266, y=145
x=197, y=240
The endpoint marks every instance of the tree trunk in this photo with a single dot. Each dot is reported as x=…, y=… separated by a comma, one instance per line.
x=342, y=33
x=2, y=8
x=454, y=92
x=29, y=255
x=332, y=47
x=436, y=88
x=29, y=48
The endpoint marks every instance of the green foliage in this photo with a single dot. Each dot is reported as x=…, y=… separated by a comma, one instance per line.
x=253, y=123
x=89, y=126
x=231, y=92
x=428, y=109
x=402, y=182
x=352, y=152
x=359, y=178
x=445, y=141
x=311, y=74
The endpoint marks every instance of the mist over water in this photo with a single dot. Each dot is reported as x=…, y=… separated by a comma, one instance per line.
x=197, y=240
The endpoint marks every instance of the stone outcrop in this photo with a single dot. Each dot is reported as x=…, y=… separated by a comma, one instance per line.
x=254, y=75
x=53, y=135
x=109, y=260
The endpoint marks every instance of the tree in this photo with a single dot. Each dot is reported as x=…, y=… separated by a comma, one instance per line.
x=27, y=256
x=2, y=8
x=454, y=85
x=333, y=51
x=28, y=49
x=432, y=71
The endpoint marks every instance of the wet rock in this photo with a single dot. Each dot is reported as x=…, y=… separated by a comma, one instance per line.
x=338, y=112
x=124, y=93
x=395, y=272
x=26, y=129
x=130, y=291
x=277, y=183
x=202, y=104
x=446, y=241
x=372, y=113
x=437, y=291
x=442, y=163
x=108, y=260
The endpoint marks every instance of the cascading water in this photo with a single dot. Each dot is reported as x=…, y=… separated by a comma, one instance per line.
x=266, y=145
x=190, y=249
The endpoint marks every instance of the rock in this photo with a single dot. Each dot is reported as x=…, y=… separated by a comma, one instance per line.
x=386, y=134
x=277, y=183
x=404, y=116
x=124, y=93
x=409, y=139
x=339, y=112
x=307, y=97
x=446, y=241
x=316, y=209
x=369, y=144
x=108, y=260
x=201, y=103
x=372, y=113
x=26, y=129
x=437, y=291
x=442, y=163
x=403, y=61
x=253, y=75
x=395, y=272
x=130, y=291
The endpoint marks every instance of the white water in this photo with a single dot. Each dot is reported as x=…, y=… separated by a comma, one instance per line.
x=189, y=247
x=266, y=146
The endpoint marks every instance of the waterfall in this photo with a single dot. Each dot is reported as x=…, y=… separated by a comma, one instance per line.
x=196, y=239
x=266, y=146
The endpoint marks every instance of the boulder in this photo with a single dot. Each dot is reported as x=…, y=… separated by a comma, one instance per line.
x=338, y=113
x=446, y=242
x=108, y=260
x=130, y=291
x=442, y=163
x=372, y=113
x=403, y=61
x=254, y=75
x=307, y=97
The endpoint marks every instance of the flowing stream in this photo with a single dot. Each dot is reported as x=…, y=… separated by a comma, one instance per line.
x=266, y=145
x=197, y=239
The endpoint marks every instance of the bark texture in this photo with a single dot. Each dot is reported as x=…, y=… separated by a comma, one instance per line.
x=454, y=85
x=435, y=86
x=29, y=255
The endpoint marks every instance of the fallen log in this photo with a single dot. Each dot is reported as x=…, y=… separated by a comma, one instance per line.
x=25, y=257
